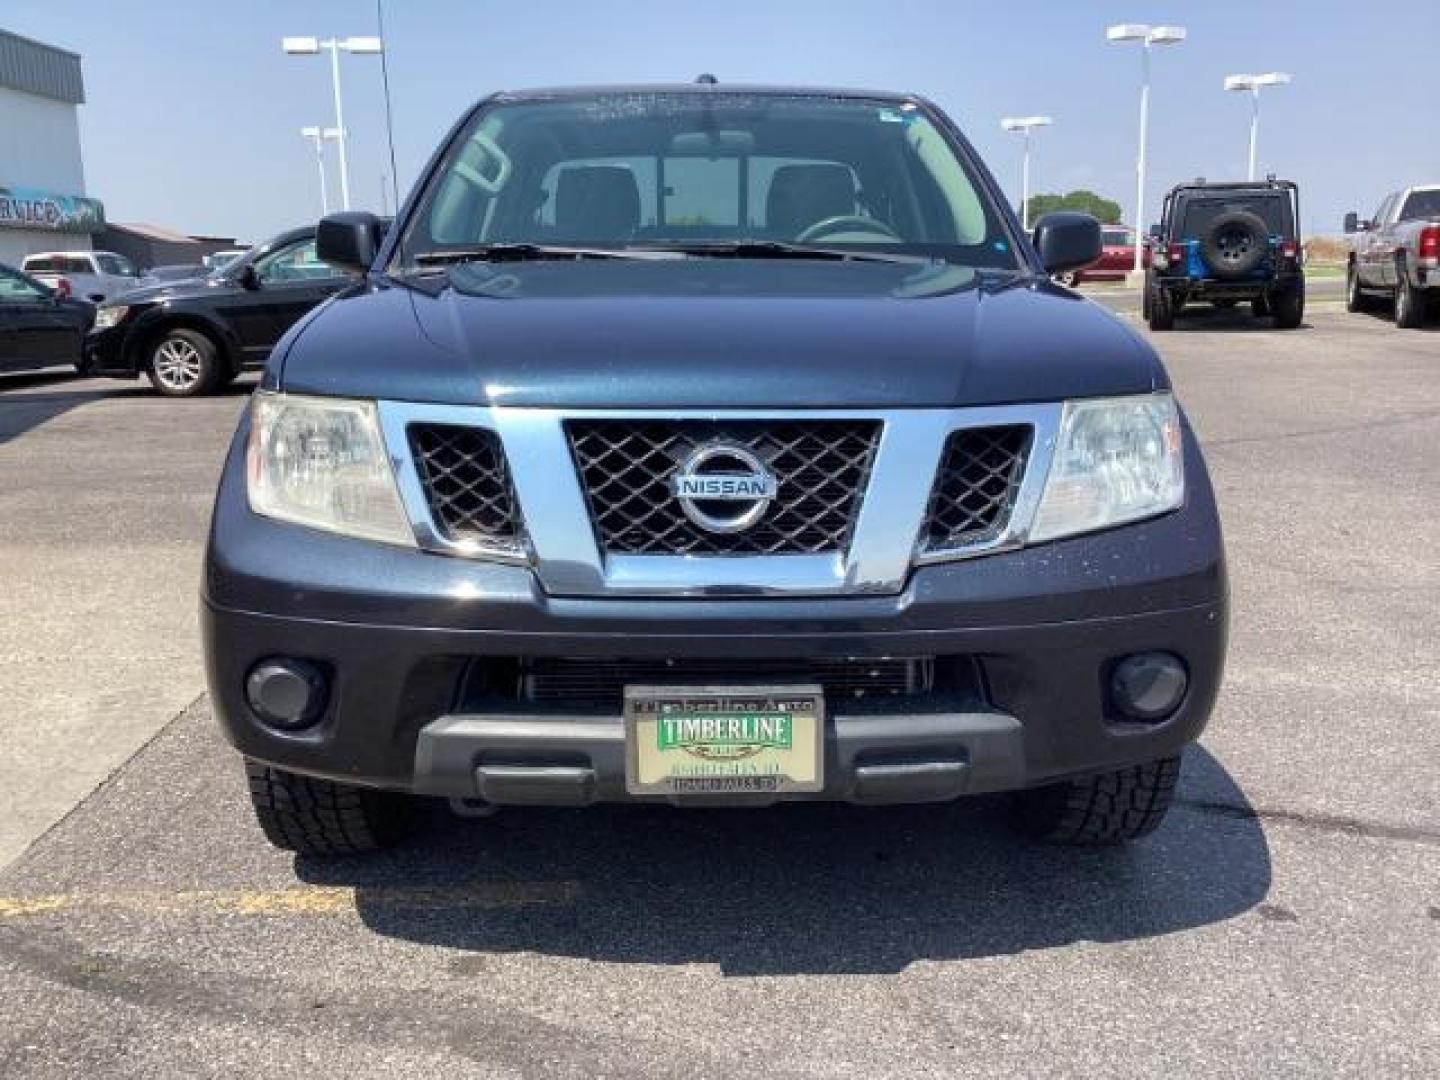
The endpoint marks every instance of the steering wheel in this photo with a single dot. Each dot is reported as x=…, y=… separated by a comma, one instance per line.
x=846, y=223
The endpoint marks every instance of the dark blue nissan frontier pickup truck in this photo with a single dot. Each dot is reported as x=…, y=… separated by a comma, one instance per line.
x=714, y=446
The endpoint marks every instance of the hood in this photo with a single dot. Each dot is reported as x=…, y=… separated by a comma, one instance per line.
x=717, y=333
x=170, y=290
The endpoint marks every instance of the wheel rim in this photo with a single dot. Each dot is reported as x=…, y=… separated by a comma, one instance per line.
x=1067, y=278
x=177, y=364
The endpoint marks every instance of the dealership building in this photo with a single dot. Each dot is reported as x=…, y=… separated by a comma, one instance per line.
x=43, y=204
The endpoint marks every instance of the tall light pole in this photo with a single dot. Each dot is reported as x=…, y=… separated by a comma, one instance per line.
x=309, y=46
x=1147, y=36
x=1253, y=83
x=318, y=136
x=1024, y=125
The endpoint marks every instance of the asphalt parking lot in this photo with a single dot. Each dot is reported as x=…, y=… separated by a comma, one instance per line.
x=1285, y=921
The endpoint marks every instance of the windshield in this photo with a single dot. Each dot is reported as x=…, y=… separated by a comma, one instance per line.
x=1115, y=237
x=639, y=170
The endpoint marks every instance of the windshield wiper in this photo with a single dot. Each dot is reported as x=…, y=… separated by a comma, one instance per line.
x=780, y=249
x=723, y=249
x=525, y=252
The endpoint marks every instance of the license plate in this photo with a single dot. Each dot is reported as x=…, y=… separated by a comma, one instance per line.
x=721, y=740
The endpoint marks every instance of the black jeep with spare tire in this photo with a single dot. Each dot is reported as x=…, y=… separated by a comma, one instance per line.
x=1224, y=243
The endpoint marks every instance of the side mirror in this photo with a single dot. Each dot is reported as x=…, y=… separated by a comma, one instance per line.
x=1352, y=222
x=1066, y=240
x=248, y=278
x=349, y=240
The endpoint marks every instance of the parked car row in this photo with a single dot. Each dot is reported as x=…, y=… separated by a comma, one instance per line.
x=191, y=337
x=1228, y=243
x=188, y=329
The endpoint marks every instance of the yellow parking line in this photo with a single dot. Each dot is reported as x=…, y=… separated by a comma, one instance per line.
x=301, y=899
x=13, y=906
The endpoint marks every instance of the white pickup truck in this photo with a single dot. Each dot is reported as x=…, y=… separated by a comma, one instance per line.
x=85, y=275
x=1397, y=252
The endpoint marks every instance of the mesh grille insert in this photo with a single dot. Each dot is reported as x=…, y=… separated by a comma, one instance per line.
x=975, y=488
x=822, y=468
x=467, y=484
x=602, y=682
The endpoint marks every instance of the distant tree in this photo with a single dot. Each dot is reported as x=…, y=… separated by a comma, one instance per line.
x=1087, y=202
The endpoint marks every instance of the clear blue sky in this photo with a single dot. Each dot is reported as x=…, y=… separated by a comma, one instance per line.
x=194, y=113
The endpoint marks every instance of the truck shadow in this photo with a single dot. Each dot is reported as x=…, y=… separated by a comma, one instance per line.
x=1383, y=314
x=33, y=401
x=30, y=400
x=810, y=889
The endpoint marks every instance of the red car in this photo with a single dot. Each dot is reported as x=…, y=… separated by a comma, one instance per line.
x=1117, y=258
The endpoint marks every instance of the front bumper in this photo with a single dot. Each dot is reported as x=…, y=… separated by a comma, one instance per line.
x=403, y=632
x=107, y=352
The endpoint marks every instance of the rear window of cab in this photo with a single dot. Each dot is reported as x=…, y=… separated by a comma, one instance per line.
x=57, y=264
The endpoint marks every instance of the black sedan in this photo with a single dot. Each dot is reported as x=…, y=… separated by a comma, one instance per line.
x=39, y=328
x=193, y=337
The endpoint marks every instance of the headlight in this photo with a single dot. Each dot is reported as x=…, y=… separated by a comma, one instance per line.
x=110, y=315
x=321, y=462
x=1116, y=460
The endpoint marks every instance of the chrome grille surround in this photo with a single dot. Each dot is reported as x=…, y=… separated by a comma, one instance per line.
x=887, y=539
x=823, y=469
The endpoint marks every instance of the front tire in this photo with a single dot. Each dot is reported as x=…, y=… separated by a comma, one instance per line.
x=1111, y=808
x=185, y=363
x=320, y=817
x=1354, y=295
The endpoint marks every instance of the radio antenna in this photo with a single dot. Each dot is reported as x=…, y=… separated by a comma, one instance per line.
x=389, y=119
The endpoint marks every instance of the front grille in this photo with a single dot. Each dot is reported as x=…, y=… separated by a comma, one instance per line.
x=625, y=466
x=975, y=487
x=600, y=683
x=467, y=484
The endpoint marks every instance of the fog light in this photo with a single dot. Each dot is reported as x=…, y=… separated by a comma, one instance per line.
x=1148, y=686
x=287, y=694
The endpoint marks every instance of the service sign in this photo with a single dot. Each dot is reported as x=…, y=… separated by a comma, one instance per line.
x=29, y=208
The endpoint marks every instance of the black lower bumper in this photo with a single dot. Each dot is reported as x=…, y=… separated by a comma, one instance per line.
x=398, y=715
x=876, y=757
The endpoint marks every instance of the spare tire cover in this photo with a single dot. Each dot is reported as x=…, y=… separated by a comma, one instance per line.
x=1235, y=243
